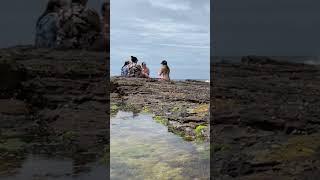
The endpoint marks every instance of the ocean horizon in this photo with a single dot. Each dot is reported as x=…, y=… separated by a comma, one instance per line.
x=203, y=80
x=179, y=70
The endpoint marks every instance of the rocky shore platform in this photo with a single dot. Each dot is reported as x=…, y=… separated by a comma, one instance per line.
x=266, y=120
x=183, y=106
x=52, y=102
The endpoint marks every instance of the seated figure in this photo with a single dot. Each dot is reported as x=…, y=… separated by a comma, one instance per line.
x=134, y=69
x=79, y=27
x=125, y=69
x=164, y=72
x=145, y=71
x=47, y=25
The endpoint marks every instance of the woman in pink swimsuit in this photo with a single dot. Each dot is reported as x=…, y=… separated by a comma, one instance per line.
x=145, y=70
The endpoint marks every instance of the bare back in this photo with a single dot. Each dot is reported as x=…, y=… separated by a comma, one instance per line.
x=165, y=73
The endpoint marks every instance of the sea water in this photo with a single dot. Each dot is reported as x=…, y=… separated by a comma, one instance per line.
x=141, y=148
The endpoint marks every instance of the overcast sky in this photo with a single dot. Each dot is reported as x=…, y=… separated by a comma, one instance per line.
x=152, y=30
x=266, y=27
x=18, y=18
x=178, y=29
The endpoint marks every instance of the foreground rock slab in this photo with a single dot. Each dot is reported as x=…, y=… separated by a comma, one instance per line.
x=181, y=105
x=52, y=102
x=266, y=120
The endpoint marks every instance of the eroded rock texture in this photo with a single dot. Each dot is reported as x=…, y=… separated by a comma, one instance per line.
x=182, y=106
x=53, y=102
x=266, y=120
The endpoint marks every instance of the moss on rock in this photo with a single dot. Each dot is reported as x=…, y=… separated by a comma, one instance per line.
x=114, y=109
x=220, y=147
x=14, y=144
x=296, y=147
x=69, y=136
x=199, y=132
x=161, y=120
x=146, y=109
x=202, y=110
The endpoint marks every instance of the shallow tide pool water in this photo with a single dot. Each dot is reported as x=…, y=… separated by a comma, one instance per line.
x=141, y=148
x=40, y=167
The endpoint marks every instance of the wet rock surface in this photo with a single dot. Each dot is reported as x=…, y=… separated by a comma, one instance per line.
x=181, y=105
x=265, y=120
x=52, y=102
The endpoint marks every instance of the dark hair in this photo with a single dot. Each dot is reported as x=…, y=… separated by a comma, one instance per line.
x=164, y=62
x=126, y=63
x=134, y=59
x=143, y=63
x=104, y=7
x=52, y=4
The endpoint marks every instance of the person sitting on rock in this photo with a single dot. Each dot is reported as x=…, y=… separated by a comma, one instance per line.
x=133, y=61
x=125, y=69
x=47, y=25
x=134, y=68
x=145, y=71
x=164, y=72
x=79, y=27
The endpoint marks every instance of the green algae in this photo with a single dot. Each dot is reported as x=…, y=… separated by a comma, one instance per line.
x=13, y=144
x=161, y=120
x=146, y=110
x=225, y=104
x=201, y=110
x=176, y=109
x=154, y=170
x=220, y=147
x=142, y=159
x=69, y=137
x=188, y=138
x=199, y=132
x=146, y=154
x=12, y=152
x=9, y=166
x=129, y=108
x=180, y=133
x=6, y=134
x=145, y=162
x=296, y=147
x=114, y=109
x=163, y=171
x=106, y=154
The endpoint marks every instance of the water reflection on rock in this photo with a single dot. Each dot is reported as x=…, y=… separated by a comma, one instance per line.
x=37, y=167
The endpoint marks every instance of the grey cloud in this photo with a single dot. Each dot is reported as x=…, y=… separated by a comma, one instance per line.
x=157, y=31
x=174, y=5
x=185, y=46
